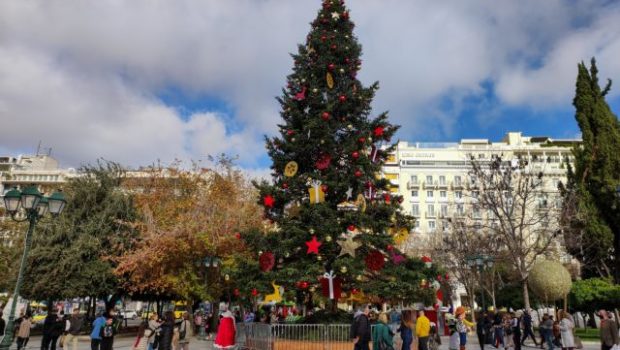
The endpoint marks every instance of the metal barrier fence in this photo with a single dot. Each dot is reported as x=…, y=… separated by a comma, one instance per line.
x=258, y=336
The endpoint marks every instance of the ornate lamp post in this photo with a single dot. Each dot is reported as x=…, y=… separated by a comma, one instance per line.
x=35, y=206
x=481, y=263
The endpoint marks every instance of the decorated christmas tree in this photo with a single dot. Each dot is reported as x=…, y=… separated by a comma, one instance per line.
x=336, y=224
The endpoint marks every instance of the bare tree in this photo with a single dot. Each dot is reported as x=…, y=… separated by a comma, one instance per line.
x=522, y=211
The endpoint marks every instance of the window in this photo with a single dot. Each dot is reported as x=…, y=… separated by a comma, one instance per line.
x=415, y=210
x=445, y=225
x=430, y=210
x=459, y=209
x=442, y=180
x=429, y=179
x=478, y=226
x=414, y=179
x=443, y=194
x=431, y=225
x=444, y=210
x=474, y=194
x=416, y=224
x=473, y=179
x=476, y=212
x=556, y=183
x=457, y=180
x=458, y=194
x=429, y=194
x=414, y=193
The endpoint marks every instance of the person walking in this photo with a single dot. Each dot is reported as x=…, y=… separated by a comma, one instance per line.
x=406, y=329
x=566, y=331
x=209, y=324
x=546, y=332
x=185, y=332
x=226, y=332
x=381, y=334
x=481, y=329
x=107, y=332
x=95, y=335
x=528, y=330
x=498, y=330
x=142, y=339
x=609, y=331
x=152, y=330
x=422, y=330
x=75, y=327
x=515, y=325
x=53, y=326
x=166, y=331
x=23, y=332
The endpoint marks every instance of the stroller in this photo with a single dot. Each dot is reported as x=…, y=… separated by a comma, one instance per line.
x=434, y=340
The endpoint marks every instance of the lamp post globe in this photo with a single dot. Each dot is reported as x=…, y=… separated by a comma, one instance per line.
x=12, y=200
x=57, y=203
x=30, y=198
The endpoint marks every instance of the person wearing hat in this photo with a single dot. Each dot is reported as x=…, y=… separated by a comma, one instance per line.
x=462, y=326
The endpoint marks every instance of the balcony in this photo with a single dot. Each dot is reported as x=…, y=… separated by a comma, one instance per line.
x=430, y=215
x=457, y=185
x=473, y=185
x=413, y=185
x=430, y=184
x=442, y=184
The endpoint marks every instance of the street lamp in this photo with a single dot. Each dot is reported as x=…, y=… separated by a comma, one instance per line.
x=481, y=263
x=35, y=206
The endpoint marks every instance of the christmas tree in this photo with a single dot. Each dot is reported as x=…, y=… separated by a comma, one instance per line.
x=336, y=225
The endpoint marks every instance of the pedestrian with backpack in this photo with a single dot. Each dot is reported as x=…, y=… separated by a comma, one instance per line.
x=185, y=332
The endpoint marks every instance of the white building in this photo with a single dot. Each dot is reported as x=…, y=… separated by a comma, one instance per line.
x=433, y=177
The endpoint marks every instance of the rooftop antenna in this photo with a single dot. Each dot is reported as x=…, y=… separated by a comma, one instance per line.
x=39, y=148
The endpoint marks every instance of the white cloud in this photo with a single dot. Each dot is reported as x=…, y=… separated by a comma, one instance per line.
x=84, y=76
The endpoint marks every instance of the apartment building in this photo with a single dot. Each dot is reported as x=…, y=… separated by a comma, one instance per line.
x=24, y=170
x=435, y=182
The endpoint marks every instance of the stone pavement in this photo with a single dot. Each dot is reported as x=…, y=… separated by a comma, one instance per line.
x=125, y=342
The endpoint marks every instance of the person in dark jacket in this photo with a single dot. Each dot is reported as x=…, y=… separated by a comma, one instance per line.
x=406, y=329
x=482, y=329
x=528, y=330
x=360, y=329
x=166, y=331
x=53, y=326
x=108, y=331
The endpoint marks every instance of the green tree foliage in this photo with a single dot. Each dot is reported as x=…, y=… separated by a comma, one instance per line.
x=11, y=248
x=593, y=228
x=72, y=255
x=328, y=131
x=594, y=294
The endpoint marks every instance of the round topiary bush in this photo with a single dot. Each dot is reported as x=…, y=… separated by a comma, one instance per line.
x=549, y=280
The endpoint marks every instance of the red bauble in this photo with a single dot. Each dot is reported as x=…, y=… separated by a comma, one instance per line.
x=447, y=277
x=374, y=261
x=323, y=38
x=323, y=162
x=236, y=292
x=334, y=47
x=268, y=201
x=238, y=235
x=254, y=292
x=390, y=247
x=331, y=66
x=355, y=154
x=438, y=277
x=347, y=61
x=302, y=285
x=342, y=98
x=325, y=116
x=345, y=15
x=361, y=140
x=358, y=173
x=290, y=132
x=351, y=228
x=324, y=188
x=378, y=132
x=266, y=261
x=285, y=185
x=387, y=198
x=354, y=291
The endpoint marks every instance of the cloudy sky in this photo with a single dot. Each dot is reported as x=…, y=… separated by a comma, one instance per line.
x=145, y=80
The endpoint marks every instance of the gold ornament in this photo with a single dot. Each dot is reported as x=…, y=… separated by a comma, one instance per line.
x=276, y=297
x=316, y=192
x=361, y=202
x=399, y=234
x=319, y=258
x=328, y=238
x=348, y=246
x=330, y=80
x=291, y=168
x=343, y=269
x=359, y=277
x=315, y=90
x=292, y=209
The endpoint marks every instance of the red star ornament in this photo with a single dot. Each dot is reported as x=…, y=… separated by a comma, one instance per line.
x=313, y=246
x=268, y=201
x=379, y=131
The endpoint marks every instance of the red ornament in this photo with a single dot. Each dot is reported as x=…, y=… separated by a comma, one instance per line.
x=342, y=98
x=439, y=278
x=254, y=292
x=334, y=47
x=355, y=154
x=387, y=198
x=361, y=140
x=354, y=291
x=325, y=116
x=284, y=185
x=345, y=15
x=324, y=188
x=268, y=201
x=323, y=38
x=447, y=277
x=313, y=246
x=374, y=261
x=300, y=96
x=302, y=284
x=336, y=284
x=236, y=292
x=331, y=66
x=390, y=247
x=266, y=261
x=378, y=132
x=290, y=132
x=358, y=173
x=351, y=228
x=238, y=235
x=323, y=162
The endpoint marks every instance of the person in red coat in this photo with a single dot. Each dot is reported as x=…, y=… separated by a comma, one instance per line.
x=226, y=332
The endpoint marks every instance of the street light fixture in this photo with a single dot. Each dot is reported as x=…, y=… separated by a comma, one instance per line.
x=481, y=263
x=35, y=206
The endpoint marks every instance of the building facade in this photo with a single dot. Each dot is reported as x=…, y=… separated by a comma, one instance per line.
x=435, y=182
